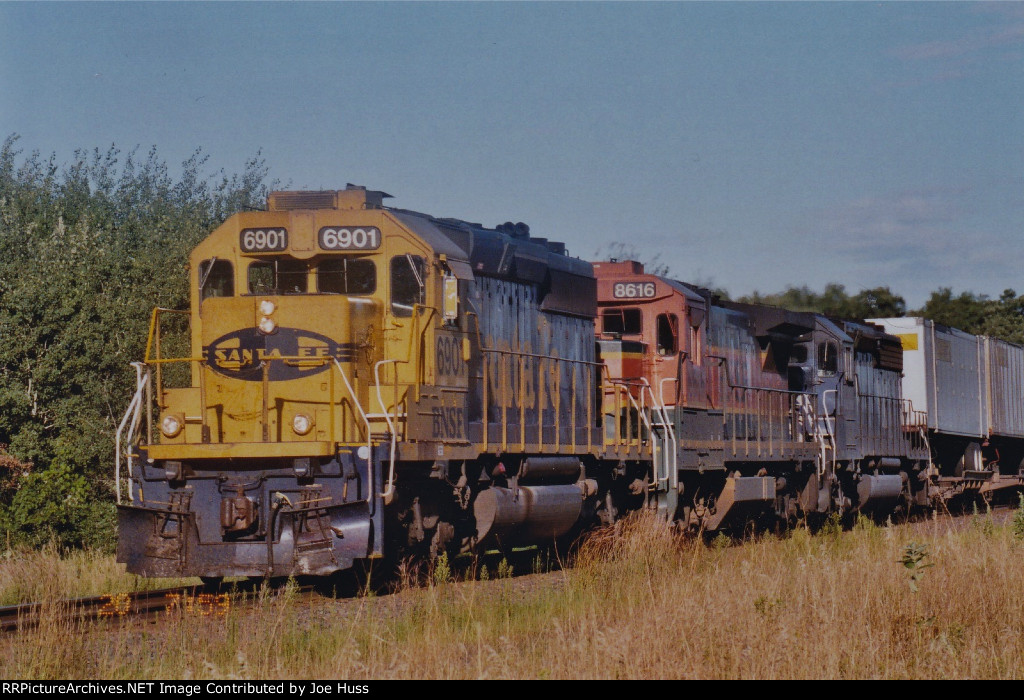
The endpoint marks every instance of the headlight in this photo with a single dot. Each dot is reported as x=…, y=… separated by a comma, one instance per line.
x=267, y=307
x=267, y=326
x=301, y=423
x=170, y=426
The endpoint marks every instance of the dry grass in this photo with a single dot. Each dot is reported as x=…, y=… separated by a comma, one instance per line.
x=643, y=604
x=44, y=575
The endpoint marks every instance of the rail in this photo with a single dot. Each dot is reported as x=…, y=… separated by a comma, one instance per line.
x=759, y=421
x=627, y=410
x=114, y=606
x=915, y=424
x=199, y=601
x=359, y=407
x=887, y=423
x=389, y=492
x=826, y=444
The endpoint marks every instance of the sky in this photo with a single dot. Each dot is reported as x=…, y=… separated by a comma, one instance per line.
x=747, y=146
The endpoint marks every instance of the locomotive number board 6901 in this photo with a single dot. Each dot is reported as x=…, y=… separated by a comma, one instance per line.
x=349, y=238
x=634, y=290
x=263, y=240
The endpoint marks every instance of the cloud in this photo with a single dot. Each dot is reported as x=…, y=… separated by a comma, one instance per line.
x=959, y=57
x=972, y=42
x=896, y=217
x=913, y=242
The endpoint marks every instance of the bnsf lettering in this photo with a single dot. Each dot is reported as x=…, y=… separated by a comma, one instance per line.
x=449, y=423
x=449, y=357
x=519, y=379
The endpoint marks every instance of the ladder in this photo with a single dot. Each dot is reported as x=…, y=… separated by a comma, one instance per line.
x=822, y=434
x=663, y=491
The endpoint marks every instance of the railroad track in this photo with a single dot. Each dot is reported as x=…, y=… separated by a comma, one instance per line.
x=192, y=600
x=115, y=605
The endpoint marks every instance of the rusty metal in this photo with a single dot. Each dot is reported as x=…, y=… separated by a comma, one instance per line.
x=238, y=513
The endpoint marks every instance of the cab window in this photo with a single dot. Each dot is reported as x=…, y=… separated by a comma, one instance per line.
x=622, y=321
x=346, y=276
x=668, y=334
x=216, y=278
x=285, y=276
x=408, y=285
x=828, y=358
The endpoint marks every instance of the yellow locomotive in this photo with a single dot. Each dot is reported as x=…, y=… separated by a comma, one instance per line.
x=365, y=381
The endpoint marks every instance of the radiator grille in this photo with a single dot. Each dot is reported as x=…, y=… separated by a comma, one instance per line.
x=286, y=201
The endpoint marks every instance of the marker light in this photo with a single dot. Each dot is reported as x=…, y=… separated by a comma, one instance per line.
x=267, y=307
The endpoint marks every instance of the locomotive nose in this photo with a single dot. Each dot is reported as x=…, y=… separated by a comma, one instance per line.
x=274, y=371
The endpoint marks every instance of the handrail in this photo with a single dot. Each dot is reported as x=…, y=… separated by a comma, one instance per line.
x=622, y=385
x=829, y=427
x=154, y=331
x=641, y=413
x=661, y=387
x=519, y=356
x=389, y=492
x=359, y=407
x=134, y=411
x=659, y=406
x=417, y=319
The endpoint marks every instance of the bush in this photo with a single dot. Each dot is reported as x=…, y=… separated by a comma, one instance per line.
x=89, y=248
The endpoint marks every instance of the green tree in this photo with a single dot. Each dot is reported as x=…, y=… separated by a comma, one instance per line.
x=879, y=302
x=1005, y=318
x=965, y=311
x=89, y=248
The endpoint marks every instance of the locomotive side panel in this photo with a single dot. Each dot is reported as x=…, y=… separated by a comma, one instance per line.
x=886, y=426
x=536, y=373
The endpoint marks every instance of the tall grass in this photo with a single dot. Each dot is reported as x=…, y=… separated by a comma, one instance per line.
x=643, y=603
x=36, y=575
